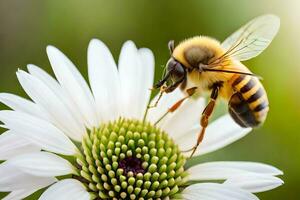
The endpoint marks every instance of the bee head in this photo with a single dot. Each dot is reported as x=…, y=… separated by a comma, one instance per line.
x=175, y=74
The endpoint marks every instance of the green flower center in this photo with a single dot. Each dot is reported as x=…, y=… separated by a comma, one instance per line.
x=130, y=159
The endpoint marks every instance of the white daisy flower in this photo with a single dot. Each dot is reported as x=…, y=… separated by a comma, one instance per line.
x=94, y=144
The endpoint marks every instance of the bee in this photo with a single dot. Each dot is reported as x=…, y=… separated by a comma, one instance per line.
x=202, y=64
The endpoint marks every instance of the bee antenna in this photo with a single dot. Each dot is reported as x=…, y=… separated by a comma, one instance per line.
x=171, y=45
x=232, y=72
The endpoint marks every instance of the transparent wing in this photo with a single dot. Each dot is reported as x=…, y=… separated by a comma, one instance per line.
x=252, y=38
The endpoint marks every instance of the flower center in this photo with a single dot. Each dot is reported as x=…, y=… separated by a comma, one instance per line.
x=130, y=159
x=132, y=164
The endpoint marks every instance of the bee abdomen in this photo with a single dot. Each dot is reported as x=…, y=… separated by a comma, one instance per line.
x=240, y=111
x=252, y=100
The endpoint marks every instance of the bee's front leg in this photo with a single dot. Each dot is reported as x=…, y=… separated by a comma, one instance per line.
x=176, y=105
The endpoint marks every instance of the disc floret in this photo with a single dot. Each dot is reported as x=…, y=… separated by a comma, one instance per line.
x=130, y=159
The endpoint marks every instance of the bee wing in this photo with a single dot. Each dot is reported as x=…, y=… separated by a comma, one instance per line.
x=252, y=38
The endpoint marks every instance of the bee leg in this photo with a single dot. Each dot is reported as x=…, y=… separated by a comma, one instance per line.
x=161, y=92
x=206, y=115
x=164, y=88
x=174, y=107
x=156, y=102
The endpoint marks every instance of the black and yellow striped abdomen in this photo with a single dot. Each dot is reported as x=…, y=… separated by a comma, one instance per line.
x=249, y=104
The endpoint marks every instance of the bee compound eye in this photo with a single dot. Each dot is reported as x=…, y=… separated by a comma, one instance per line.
x=171, y=65
x=178, y=72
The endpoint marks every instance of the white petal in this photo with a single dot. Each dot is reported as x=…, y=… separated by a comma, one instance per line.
x=166, y=101
x=215, y=191
x=66, y=189
x=45, y=77
x=19, y=194
x=187, y=116
x=213, y=173
x=219, y=134
x=104, y=80
x=74, y=85
x=11, y=179
x=20, y=104
x=226, y=170
x=51, y=104
x=132, y=78
x=12, y=144
x=42, y=164
x=22, y=193
x=147, y=77
x=38, y=131
x=254, y=182
x=254, y=167
x=56, y=88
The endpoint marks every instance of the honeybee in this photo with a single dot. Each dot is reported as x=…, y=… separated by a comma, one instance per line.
x=202, y=64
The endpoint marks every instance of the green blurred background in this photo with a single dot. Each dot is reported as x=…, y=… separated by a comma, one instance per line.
x=26, y=27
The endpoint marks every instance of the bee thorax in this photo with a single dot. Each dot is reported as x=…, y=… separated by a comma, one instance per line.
x=196, y=55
